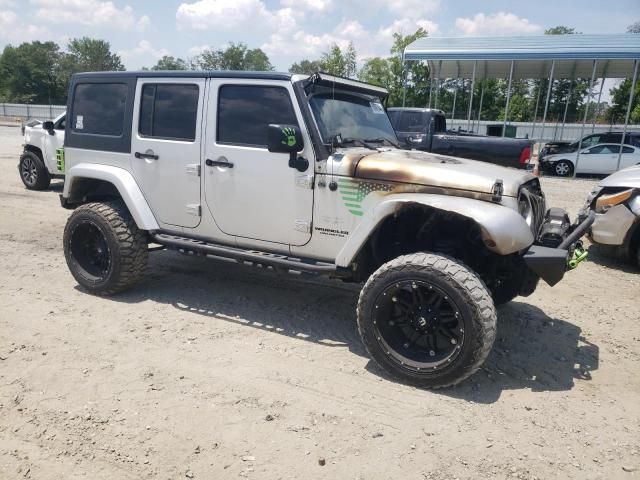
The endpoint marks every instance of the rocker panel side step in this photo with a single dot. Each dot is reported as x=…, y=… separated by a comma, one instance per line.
x=263, y=258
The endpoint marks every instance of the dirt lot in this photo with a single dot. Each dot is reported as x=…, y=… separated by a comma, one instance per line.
x=210, y=370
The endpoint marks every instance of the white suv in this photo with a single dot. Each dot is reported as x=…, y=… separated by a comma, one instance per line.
x=303, y=173
x=43, y=155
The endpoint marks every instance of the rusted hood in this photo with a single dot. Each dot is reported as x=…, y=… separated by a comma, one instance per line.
x=422, y=168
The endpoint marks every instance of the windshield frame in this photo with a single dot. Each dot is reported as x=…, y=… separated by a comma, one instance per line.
x=366, y=96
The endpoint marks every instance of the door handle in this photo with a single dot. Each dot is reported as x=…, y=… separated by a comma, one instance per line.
x=222, y=162
x=150, y=155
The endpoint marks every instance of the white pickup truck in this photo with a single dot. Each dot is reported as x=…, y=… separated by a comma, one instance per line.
x=43, y=156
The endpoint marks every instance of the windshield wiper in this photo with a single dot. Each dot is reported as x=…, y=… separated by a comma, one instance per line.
x=382, y=140
x=357, y=141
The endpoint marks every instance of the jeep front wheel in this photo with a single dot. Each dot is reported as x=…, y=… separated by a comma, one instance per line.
x=427, y=319
x=105, y=251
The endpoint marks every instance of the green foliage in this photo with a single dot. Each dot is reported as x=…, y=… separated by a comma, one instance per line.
x=306, y=67
x=29, y=73
x=634, y=28
x=237, y=56
x=391, y=73
x=38, y=72
x=337, y=62
x=560, y=30
x=170, y=63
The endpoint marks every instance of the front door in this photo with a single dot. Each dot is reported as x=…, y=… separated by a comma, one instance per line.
x=251, y=192
x=166, y=147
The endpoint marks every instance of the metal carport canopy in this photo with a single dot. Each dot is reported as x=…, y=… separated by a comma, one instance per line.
x=454, y=57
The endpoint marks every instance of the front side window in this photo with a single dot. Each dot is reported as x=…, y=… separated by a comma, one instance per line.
x=245, y=112
x=603, y=150
x=98, y=108
x=169, y=111
x=591, y=140
x=352, y=116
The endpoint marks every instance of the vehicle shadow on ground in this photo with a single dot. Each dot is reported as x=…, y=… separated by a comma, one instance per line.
x=531, y=351
x=607, y=257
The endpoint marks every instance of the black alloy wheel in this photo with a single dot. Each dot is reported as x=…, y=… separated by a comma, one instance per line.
x=419, y=324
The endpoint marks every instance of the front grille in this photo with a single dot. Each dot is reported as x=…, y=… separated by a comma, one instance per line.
x=532, y=194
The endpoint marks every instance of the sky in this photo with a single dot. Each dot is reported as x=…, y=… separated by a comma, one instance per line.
x=143, y=31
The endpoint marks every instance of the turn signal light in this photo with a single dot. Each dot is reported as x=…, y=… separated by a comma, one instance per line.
x=607, y=201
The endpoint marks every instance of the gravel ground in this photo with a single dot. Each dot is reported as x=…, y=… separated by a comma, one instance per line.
x=209, y=370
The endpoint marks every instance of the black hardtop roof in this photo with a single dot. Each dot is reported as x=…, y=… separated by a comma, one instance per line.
x=186, y=74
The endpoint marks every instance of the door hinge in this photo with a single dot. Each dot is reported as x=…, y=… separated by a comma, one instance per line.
x=304, y=181
x=194, y=169
x=302, y=226
x=194, y=209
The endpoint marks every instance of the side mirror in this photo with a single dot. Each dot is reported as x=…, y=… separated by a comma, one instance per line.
x=284, y=139
x=48, y=126
x=287, y=139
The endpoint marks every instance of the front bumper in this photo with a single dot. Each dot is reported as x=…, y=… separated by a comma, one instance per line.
x=550, y=264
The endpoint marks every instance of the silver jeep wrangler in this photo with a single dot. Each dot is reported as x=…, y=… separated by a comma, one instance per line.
x=303, y=173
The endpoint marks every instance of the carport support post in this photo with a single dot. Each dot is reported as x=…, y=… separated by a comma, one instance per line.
x=604, y=77
x=404, y=81
x=480, y=106
x=546, y=103
x=455, y=94
x=506, y=107
x=435, y=100
x=586, y=113
x=473, y=84
x=626, y=119
x=566, y=107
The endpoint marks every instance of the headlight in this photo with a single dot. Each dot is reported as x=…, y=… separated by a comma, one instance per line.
x=605, y=202
x=525, y=208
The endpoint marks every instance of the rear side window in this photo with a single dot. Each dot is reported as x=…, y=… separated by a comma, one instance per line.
x=169, y=111
x=99, y=108
x=245, y=111
x=628, y=150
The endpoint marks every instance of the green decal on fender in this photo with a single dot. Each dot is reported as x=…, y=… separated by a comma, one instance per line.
x=354, y=192
x=60, y=159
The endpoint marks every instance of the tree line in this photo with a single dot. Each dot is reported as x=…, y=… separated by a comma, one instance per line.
x=39, y=73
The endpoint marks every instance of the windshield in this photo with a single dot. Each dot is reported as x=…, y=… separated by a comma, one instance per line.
x=351, y=116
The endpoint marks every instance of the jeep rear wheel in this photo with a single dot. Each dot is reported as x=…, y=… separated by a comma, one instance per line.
x=33, y=172
x=427, y=320
x=105, y=251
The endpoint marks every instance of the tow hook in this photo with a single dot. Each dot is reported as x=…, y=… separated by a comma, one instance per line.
x=579, y=254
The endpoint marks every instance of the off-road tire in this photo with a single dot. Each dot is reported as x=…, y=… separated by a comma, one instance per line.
x=563, y=172
x=462, y=285
x=127, y=247
x=36, y=177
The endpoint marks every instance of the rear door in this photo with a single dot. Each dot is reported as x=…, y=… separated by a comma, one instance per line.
x=630, y=156
x=166, y=147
